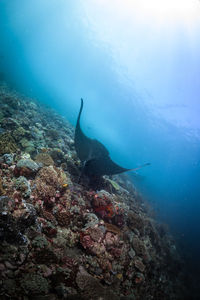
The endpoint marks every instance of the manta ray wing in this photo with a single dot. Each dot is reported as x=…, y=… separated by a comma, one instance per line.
x=94, y=154
x=102, y=166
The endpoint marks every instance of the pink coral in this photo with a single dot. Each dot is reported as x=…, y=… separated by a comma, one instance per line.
x=86, y=241
x=116, y=252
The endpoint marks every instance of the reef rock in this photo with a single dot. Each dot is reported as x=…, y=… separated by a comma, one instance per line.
x=26, y=167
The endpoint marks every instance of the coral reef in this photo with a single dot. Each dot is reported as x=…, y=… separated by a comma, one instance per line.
x=7, y=143
x=63, y=239
x=45, y=159
x=34, y=284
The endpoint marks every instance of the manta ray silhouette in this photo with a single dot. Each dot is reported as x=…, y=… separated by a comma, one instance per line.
x=94, y=156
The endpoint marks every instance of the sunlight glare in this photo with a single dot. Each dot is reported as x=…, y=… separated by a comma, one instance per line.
x=166, y=8
x=158, y=11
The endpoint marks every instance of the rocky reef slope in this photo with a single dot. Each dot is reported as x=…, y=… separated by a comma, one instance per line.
x=64, y=240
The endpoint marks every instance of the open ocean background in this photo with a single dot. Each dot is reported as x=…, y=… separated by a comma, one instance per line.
x=136, y=64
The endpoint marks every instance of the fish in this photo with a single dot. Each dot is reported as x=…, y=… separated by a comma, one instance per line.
x=94, y=156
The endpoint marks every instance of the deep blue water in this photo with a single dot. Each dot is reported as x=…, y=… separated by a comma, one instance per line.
x=139, y=74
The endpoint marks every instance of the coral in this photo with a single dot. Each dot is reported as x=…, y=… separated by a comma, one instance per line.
x=49, y=230
x=9, y=123
x=27, y=145
x=52, y=133
x=60, y=277
x=66, y=237
x=112, y=228
x=139, y=265
x=40, y=242
x=72, y=238
x=72, y=167
x=27, y=216
x=10, y=286
x=23, y=185
x=139, y=278
x=11, y=101
x=52, y=176
x=19, y=133
x=7, y=143
x=34, y=284
x=57, y=155
x=86, y=241
x=6, y=205
x=46, y=256
x=139, y=248
x=50, y=225
x=91, y=287
x=45, y=159
x=96, y=234
x=103, y=206
x=135, y=221
x=111, y=240
x=48, y=181
x=48, y=216
x=131, y=253
x=105, y=264
x=119, y=218
x=63, y=218
x=90, y=220
x=26, y=167
x=14, y=225
x=93, y=242
x=2, y=191
x=8, y=158
x=10, y=231
x=98, y=249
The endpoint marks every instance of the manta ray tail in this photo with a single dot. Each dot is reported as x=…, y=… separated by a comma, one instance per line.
x=142, y=166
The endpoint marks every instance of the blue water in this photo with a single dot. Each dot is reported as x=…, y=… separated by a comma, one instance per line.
x=139, y=74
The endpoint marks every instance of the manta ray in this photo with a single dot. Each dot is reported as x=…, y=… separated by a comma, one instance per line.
x=94, y=156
